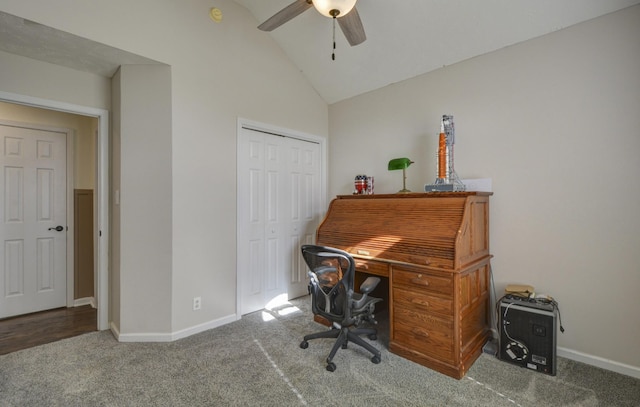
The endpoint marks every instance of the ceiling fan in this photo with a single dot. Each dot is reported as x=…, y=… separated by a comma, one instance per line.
x=342, y=10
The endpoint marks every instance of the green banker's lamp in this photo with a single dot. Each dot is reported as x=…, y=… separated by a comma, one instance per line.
x=401, y=164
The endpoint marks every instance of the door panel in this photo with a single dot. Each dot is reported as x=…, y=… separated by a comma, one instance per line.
x=33, y=189
x=304, y=171
x=275, y=199
x=251, y=225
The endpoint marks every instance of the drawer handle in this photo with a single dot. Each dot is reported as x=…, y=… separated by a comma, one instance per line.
x=419, y=280
x=363, y=252
x=364, y=266
x=420, y=332
x=419, y=302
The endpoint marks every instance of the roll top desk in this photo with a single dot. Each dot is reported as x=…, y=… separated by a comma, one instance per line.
x=434, y=249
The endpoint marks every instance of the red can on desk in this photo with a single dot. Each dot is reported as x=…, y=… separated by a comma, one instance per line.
x=360, y=184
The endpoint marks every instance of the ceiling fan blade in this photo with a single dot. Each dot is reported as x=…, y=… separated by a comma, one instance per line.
x=292, y=10
x=352, y=28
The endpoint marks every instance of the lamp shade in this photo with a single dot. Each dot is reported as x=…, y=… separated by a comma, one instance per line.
x=399, y=164
x=325, y=7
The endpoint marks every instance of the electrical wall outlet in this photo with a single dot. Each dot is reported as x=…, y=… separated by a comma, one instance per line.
x=197, y=303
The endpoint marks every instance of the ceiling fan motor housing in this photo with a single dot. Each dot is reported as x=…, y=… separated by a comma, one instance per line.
x=334, y=8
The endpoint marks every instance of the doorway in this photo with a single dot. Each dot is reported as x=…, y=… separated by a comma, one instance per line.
x=280, y=202
x=101, y=188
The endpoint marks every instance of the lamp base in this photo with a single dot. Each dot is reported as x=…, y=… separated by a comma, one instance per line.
x=404, y=191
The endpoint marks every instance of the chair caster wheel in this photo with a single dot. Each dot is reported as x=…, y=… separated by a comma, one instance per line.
x=304, y=344
x=331, y=366
x=375, y=359
x=373, y=337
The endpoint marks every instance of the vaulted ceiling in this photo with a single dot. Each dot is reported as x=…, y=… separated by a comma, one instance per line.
x=406, y=38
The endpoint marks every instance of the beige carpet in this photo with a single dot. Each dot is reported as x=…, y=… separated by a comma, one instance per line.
x=257, y=361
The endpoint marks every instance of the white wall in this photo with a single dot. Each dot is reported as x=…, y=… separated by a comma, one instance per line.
x=143, y=188
x=219, y=72
x=28, y=77
x=555, y=123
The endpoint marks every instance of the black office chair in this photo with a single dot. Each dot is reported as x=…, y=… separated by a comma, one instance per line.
x=332, y=274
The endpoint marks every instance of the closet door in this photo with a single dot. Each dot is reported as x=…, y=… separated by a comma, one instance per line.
x=305, y=212
x=278, y=210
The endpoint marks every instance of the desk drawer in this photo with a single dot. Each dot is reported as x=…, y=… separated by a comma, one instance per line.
x=422, y=301
x=424, y=333
x=372, y=267
x=424, y=281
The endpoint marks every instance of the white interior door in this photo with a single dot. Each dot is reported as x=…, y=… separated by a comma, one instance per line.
x=33, y=188
x=305, y=211
x=278, y=210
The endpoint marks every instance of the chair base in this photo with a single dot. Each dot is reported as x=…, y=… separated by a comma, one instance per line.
x=343, y=336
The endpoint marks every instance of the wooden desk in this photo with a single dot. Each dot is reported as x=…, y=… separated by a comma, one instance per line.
x=434, y=250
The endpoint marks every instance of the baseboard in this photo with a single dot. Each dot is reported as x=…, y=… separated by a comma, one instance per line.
x=607, y=364
x=173, y=336
x=204, y=327
x=79, y=302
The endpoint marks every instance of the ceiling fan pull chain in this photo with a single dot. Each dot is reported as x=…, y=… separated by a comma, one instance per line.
x=333, y=54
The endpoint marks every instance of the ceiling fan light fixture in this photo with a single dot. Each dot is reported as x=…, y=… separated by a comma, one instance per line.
x=328, y=7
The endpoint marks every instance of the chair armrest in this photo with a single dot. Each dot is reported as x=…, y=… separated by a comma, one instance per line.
x=369, y=284
x=361, y=303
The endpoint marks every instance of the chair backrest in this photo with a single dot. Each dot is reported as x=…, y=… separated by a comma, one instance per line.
x=331, y=273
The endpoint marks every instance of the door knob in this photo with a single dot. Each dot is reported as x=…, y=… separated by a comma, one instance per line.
x=57, y=228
